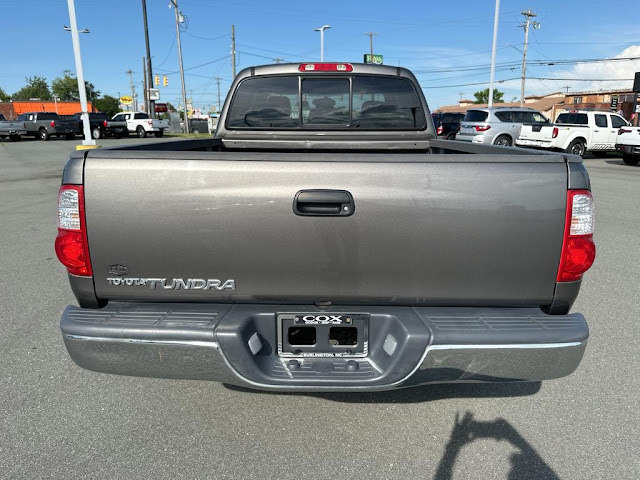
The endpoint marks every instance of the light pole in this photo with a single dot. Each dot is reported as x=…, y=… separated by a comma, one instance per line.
x=493, y=53
x=88, y=142
x=321, y=30
x=179, y=20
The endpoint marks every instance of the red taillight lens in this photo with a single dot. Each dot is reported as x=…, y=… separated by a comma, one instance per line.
x=440, y=130
x=104, y=123
x=482, y=128
x=578, y=249
x=325, y=67
x=71, y=243
x=554, y=132
x=53, y=124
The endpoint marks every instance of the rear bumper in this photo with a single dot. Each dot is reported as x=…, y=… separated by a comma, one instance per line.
x=237, y=344
x=533, y=143
x=628, y=149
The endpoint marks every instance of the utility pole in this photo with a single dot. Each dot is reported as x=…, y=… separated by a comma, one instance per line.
x=150, y=104
x=371, y=35
x=133, y=89
x=496, y=17
x=218, y=81
x=528, y=14
x=144, y=84
x=567, y=87
x=184, y=93
x=233, y=51
x=278, y=59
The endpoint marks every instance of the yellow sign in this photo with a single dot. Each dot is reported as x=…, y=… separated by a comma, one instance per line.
x=126, y=100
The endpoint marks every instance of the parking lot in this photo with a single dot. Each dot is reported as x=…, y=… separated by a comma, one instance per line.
x=59, y=421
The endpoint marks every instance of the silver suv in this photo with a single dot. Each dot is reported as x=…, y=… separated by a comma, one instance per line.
x=497, y=125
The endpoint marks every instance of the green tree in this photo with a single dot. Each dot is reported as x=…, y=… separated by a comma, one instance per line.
x=482, y=96
x=66, y=88
x=107, y=104
x=3, y=96
x=36, y=87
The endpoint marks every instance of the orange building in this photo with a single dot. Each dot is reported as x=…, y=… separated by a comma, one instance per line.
x=12, y=109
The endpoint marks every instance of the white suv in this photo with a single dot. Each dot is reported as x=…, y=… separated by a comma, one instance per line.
x=497, y=125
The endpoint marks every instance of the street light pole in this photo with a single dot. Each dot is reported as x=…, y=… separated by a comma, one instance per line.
x=493, y=52
x=184, y=94
x=75, y=37
x=321, y=30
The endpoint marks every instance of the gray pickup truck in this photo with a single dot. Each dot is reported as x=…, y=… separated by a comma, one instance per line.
x=11, y=128
x=44, y=125
x=325, y=239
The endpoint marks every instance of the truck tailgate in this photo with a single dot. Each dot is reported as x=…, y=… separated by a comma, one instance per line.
x=427, y=229
x=538, y=132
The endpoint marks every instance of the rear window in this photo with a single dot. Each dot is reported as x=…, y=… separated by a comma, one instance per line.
x=98, y=116
x=292, y=101
x=141, y=116
x=452, y=118
x=48, y=116
x=574, y=118
x=476, y=116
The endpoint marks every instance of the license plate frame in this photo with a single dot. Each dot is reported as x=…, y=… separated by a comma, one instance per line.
x=330, y=329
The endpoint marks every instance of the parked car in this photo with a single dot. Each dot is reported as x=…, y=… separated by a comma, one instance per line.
x=343, y=247
x=11, y=128
x=576, y=132
x=628, y=143
x=497, y=125
x=141, y=124
x=100, y=126
x=43, y=125
x=447, y=124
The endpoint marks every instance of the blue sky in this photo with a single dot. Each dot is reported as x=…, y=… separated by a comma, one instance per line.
x=447, y=44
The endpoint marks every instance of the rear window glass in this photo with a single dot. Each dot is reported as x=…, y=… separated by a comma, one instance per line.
x=289, y=102
x=451, y=118
x=98, y=116
x=574, y=118
x=476, y=116
x=141, y=116
x=48, y=116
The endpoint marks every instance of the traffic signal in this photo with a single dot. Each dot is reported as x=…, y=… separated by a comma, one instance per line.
x=165, y=81
x=157, y=80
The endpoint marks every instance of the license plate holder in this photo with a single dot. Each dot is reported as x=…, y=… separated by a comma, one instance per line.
x=323, y=334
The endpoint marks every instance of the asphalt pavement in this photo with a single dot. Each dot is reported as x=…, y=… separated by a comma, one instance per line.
x=59, y=421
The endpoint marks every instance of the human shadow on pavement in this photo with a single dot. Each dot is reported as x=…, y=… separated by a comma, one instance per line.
x=426, y=393
x=526, y=463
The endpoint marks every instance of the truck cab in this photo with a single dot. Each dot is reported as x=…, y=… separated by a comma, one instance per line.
x=142, y=124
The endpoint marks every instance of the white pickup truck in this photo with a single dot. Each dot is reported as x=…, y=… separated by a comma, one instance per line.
x=141, y=124
x=628, y=143
x=575, y=132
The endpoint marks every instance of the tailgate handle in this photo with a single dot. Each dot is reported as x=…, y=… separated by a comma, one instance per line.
x=323, y=203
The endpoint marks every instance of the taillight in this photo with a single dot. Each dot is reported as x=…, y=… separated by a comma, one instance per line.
x=623, y=130
x=482, y=128
x=440, y=130
x=104, y=123
x=554, y=132
x=53, y=124
x=578, y=249
x=71, y=244
x=325, y=67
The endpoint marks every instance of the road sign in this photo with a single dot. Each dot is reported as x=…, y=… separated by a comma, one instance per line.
x=126, y=100
x=375, y=58
x=161, y=107
x=154, y=94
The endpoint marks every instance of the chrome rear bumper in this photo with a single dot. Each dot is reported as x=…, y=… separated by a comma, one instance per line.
x=236, y=344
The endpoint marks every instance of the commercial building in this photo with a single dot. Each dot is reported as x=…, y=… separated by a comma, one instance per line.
x=12, y=109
